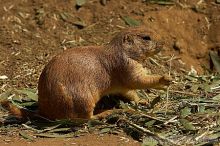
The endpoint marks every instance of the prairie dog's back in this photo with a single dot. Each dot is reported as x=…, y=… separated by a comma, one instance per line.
x=75, y=75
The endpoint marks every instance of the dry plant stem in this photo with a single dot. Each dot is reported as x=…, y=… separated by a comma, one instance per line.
x=184, y=92
x=30, y=128
x=155, y=62
x=167, y=99
x=167, y=91
x=170, y=120
x=203, y=134
x=150, y=117
x=144, y=130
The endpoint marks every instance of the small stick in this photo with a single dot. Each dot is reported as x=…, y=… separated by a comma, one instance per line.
x=154, y=61
x=170, y=120
x=150, y=117
x=144, y=130
x=203, y=134
x=167, y=92
x=30, y=128
x=184, y=92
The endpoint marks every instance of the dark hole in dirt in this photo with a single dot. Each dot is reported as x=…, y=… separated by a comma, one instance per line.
x=108, y=102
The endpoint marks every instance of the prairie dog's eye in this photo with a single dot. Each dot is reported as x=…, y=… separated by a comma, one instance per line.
x=146, y=38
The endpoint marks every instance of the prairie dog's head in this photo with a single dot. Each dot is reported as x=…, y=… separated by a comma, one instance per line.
x=137, y=43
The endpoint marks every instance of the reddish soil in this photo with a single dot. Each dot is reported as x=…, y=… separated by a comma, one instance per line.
x=87, y=140
x=33, y=31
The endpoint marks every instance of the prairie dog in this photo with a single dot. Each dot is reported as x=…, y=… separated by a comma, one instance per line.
x=73, y=82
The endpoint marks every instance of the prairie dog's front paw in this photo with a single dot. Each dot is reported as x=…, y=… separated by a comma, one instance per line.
x=166, y=80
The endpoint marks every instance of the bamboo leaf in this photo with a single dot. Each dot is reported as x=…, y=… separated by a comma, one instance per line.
x=130, y=21
x=25, y=136
x=187, y=125
x=185, y=112
x=104, y=130
x=148, y=141
x=30, y=94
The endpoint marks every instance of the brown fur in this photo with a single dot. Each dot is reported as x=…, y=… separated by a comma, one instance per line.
x=73, y=82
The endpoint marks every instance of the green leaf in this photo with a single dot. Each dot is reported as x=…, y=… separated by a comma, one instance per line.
x=216, y=60
x=30, y=94
x=104, y=130
x=130, y=21
x=162, y=2
x=194, y=88
x=60, y=130
x=217, y=97
x=80, y=2
x=187, y=125
x=68, y=122
x=149, y=141
x=50, y=128
x=27, y=104
x=185, y=112
x=25, y=136
x=92, y=123
x=201, y=109
x=150, y=123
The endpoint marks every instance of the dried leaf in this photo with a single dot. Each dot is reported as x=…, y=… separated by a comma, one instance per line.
x=187, y=125
x=217, y=97
x=60, y=130
x=123, y=105
x=80, y=2
x=64, y=16
x=216, y=60
x=50, y=128
x=25, y=136
x=149, y=141
x=80, y=24
x=130, y=21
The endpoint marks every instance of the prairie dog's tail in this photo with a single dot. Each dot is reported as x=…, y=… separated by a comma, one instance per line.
x=20, y=113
